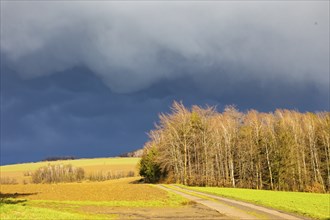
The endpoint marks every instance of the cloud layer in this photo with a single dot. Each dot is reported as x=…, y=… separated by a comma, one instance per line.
x=58, y=115
x=131, y=46
x=89, y=78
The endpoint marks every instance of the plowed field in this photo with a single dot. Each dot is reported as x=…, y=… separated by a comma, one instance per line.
x=111, y=190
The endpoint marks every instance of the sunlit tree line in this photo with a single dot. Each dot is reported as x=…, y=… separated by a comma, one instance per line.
x=283, y=150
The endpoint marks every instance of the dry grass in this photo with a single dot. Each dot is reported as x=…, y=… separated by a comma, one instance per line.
x=78, y=162
x=112, y=190
x=90, y=166
x=85, y=200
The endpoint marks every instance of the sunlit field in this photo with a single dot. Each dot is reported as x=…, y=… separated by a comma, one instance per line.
x=315, y=205
x=126, y=196
x=18, y=171
x=81, y=200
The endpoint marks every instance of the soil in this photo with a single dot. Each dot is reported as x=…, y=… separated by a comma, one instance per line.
x=190, y=211
x=112, y=190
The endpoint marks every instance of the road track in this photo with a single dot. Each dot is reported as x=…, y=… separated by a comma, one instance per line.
x=233, y=209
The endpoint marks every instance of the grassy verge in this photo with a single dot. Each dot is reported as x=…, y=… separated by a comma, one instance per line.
x=315, y=205
x=28, y=211
x=191, y=193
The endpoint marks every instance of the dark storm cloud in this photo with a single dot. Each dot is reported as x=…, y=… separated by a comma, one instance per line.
x=131, y=45
x=90, y=121
x=49, y=116
x=89, y=78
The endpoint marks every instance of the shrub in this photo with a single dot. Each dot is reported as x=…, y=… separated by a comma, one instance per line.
x=8, y=181
x=149, y=168
x=58, y=173
x=315, y=188
x=103, y=176
x=130, y=174
x=27, y=173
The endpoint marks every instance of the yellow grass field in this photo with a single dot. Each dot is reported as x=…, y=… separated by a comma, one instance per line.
x=82, y=200
x=113, y=165
x=119, y=198
x=112, y=190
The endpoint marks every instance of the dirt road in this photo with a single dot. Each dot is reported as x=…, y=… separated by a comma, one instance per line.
x=230, y=208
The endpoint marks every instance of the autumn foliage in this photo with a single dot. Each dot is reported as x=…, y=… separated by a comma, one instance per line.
x=283, y=150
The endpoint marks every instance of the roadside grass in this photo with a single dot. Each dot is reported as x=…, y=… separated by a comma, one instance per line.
x=27, y=212
x=315, y=205
x=190, y=193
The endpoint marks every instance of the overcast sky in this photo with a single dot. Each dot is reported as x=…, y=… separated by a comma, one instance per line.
x=89, y=78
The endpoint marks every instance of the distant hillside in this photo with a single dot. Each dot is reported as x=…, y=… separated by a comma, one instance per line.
x=92, y=166
x=56, y=158
x=136, y=153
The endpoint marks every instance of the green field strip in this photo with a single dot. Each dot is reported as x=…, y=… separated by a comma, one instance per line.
x=313, y=205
